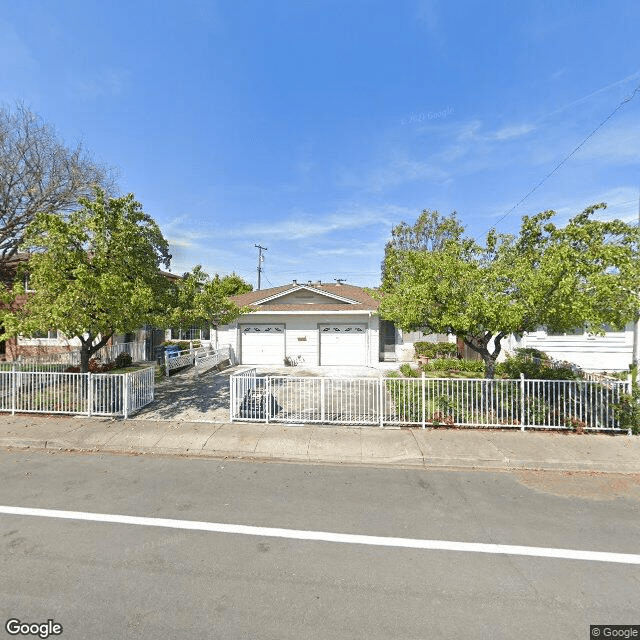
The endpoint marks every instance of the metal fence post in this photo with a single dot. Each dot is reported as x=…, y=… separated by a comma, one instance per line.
x=125, y=395
x=522, y=403
x=89, y=393
x=267, y=402
x=424, y=401
x=381, y=402
x=14, y=382
x=628, y=390
x=166, y=363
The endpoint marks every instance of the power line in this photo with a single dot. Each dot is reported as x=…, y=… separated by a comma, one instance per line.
x=515, y=206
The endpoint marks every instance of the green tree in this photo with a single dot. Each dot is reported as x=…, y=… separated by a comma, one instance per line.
x=429, y=233
x=585, y=274
x=202, y=301
x=94, y=272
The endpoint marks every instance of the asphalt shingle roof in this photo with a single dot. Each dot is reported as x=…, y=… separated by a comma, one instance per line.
x=362, y=300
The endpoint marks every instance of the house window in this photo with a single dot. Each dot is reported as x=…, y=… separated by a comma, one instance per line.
x=51, y=334
x=192, y=333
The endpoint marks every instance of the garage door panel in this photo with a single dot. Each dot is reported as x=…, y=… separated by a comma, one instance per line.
x=262, y=344
x=343, y=344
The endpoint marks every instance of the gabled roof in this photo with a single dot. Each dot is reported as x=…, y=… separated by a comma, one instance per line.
x=340, y=297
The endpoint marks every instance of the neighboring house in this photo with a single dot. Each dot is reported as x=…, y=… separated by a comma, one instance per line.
x=43, y=343
x=312, y=324
x=51, y=342
x=610, y=352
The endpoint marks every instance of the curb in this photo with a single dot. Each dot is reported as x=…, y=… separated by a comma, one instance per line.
x=409, y=462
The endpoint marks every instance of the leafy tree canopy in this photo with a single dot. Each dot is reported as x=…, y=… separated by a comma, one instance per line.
x=203, y=301
x=94, y=272
x=585, y=274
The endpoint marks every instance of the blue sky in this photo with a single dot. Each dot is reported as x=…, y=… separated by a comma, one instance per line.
x=313, y=126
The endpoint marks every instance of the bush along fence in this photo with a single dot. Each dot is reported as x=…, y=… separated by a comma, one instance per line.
x=523, y=404
x=91, y=394
x=201, y=358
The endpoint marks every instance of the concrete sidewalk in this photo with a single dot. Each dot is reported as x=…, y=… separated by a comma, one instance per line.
x=429, y=448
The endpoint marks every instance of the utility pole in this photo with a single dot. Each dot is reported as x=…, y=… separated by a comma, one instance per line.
x=636, y=331
x=260, y=260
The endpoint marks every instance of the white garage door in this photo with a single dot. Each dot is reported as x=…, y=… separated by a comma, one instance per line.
x=344, y=344
x=262, y=343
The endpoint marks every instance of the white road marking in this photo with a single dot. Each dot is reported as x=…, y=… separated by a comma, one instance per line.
x=325, y=536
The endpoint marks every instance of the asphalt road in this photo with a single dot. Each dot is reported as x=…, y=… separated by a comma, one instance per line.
x=112, y=580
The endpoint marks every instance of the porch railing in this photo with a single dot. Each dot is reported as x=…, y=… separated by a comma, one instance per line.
x=202, y=358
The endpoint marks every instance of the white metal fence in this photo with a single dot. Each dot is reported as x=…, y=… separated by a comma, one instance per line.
x=20, y=365
x=137, y=351
x=537, y=404
x=100, y=394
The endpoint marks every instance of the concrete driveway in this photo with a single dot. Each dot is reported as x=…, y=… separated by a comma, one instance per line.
x=317, y=372
x=189, y=397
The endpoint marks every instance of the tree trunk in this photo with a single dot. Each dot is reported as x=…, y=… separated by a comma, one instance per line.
x=489, y=366
x=87, y=349
x=480, y=344
x=84, y=357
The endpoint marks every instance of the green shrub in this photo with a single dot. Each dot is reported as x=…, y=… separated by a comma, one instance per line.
x=159, y=374
x=627, y=411
x=182, y=344
x=453, y=364
x=123, y=360
x=532, y=353
x=539, y=369
x=436, y=349
x=408, y=371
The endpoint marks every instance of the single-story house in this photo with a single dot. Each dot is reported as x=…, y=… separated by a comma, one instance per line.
x=313, y=324
x=337, y=324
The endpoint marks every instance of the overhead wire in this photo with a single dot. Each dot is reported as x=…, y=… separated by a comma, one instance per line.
x=564, y=160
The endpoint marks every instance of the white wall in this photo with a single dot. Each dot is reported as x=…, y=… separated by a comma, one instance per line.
x=302, y=337
x=60, y=341
x=611, y=352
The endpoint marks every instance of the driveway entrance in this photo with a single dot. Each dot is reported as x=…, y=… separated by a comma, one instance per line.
x=189, y=397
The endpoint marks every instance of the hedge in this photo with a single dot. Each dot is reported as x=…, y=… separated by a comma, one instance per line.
x=436, y=349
